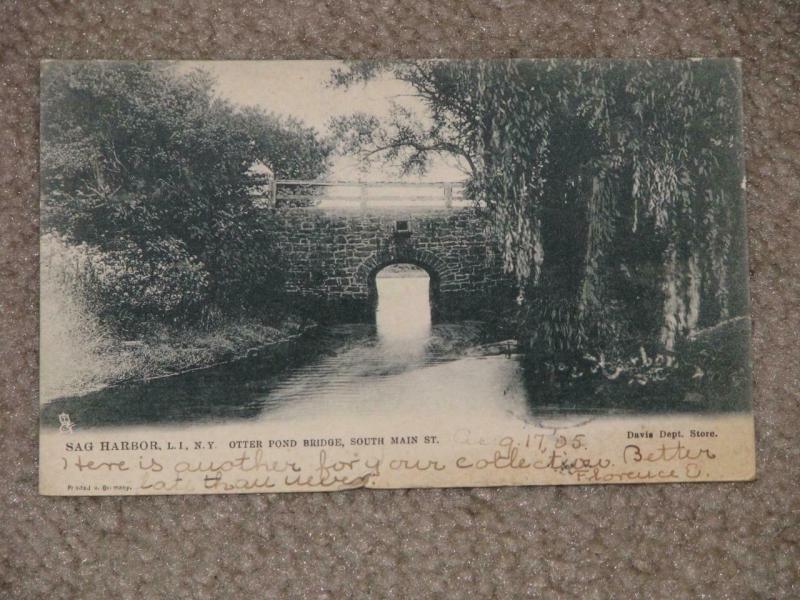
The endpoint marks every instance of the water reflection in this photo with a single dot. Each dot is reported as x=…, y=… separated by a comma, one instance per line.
x=402, y=367
x=403, y=314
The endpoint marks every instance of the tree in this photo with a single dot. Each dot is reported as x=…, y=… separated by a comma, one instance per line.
x=609, y=184
x=148, y=165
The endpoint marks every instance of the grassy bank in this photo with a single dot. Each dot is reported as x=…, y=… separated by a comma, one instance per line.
x=79, y=352
x=101, y=360
x=709, y=371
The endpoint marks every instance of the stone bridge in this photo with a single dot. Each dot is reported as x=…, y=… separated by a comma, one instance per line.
x=334, y=254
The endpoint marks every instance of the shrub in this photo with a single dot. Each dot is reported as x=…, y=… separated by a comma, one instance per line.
x=74, y=344
x=135, y=285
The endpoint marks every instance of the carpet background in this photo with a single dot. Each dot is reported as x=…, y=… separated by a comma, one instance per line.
x=655, y=541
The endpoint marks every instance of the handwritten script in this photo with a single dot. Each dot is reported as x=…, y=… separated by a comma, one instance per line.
x=469, y=459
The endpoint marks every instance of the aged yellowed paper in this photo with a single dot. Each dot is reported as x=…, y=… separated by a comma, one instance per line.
x=319, y=275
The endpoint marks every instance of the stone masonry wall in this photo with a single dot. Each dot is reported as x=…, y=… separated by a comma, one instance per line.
x=333, y=255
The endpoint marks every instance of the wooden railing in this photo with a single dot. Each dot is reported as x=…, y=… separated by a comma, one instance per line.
x=310, y=192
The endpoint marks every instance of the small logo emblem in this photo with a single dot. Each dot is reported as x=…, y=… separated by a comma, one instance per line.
x=67, y=426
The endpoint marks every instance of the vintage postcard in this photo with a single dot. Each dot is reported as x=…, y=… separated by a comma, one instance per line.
x=319, y=275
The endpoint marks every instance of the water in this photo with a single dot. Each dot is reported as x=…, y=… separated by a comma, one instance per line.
x=403, y=365
x=403, y=315
x=402, y=369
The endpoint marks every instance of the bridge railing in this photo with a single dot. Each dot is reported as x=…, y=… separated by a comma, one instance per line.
x=298, y=192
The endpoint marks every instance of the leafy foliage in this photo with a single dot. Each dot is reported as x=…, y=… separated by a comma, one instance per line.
x=148, y=166
x=130, y=285
x=611, y=186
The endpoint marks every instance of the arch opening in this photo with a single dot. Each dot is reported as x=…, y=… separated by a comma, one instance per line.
x=403, y=300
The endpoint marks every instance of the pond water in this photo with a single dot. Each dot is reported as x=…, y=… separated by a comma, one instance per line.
x=402, y=365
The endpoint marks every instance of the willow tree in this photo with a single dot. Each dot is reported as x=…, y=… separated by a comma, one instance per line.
x=611, y=186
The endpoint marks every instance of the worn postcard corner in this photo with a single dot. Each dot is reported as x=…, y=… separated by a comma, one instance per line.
x=297, y=276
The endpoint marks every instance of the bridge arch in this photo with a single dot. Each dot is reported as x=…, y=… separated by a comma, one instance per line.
x=333, y=256
x=436, y=268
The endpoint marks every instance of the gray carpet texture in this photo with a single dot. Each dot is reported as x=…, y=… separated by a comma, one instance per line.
x=738, y=540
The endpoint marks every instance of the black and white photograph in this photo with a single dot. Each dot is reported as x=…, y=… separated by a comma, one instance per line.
x=318, y=275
